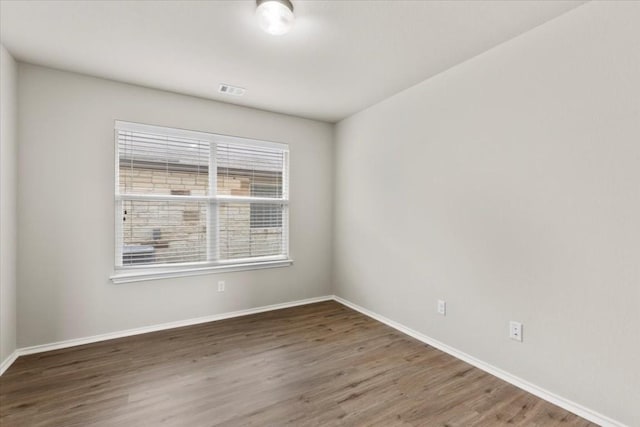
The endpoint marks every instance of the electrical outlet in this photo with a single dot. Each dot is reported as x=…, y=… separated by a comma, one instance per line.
x=515, y=331
x=442, y=307
x=221, y=286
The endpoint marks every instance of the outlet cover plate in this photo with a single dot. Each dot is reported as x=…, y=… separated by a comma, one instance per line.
x=442, y=307
x=515, y=331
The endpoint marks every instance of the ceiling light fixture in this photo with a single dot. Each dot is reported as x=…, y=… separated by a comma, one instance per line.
x=275, y=16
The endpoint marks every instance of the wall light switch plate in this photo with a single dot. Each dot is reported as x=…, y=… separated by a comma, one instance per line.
x=515, y=331
x=221, y=286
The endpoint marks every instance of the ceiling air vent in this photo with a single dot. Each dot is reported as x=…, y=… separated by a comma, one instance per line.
x=231, y=90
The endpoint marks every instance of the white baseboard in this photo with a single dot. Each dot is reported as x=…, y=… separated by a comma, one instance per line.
x=570, y=406
x=573, y=407
x=8, y=361
x=153, y=328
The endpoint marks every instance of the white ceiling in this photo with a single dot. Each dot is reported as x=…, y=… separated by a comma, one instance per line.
x=341, y=56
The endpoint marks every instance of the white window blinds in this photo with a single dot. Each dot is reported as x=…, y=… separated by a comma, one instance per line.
x=192, y=198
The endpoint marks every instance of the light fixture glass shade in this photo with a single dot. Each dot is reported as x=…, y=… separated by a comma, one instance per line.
x=275, y=16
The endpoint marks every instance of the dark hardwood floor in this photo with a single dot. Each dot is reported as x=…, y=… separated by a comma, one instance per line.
x=315, y=365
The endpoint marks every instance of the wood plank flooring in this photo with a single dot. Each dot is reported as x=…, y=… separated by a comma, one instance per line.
x=315, y=365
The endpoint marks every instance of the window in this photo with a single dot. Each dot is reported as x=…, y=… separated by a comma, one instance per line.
x=197, y=201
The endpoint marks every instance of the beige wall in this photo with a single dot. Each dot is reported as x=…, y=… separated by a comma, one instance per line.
x=509, y=186
x=8, y=210
x=66, y=207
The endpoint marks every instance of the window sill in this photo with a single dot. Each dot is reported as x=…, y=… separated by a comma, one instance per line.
x=165, y=273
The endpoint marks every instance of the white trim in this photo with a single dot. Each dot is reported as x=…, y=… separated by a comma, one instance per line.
x=286, y=246
x=117, y=204
x=210, y=199
x=213, y=238
x=8, y=361
x=570, y=406
x=164, y=326
x=126, y=274
x=249, y=199
x=121, y=125
x=164, y=197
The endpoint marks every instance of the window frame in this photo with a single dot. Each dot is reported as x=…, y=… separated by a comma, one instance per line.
x=132, y=273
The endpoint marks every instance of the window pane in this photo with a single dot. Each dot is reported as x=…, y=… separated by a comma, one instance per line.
x=249, y=171
x=159, y=232
x=152, y=164
x=250, y=230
